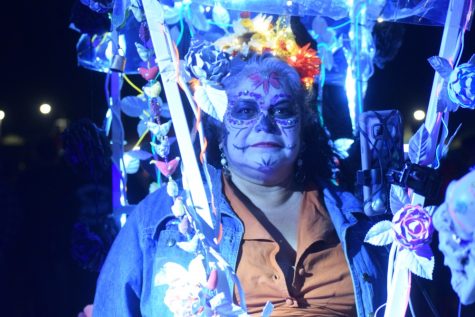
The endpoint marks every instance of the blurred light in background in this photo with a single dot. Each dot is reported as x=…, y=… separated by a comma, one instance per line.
x=380, y=20
x=45, y=108
x=419, y=115
x=350, y=84
x=2, y=116
x=61, y=124
x=123, y=219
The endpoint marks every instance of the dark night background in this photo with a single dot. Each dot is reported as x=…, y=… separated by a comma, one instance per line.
x=39, y=204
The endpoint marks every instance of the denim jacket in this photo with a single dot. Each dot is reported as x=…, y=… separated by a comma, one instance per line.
x=149, y=239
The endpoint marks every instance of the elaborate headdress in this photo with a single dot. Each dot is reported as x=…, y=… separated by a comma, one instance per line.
x=209, y=62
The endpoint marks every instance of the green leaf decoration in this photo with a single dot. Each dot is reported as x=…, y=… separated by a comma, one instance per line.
x=420, y=146
x=380, y=234
x=134, y=106
x=421, y=266
x=197, y=18
x=398, y=198
x=441, y=65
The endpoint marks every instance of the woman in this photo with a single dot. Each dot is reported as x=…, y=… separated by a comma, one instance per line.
x=293, y=238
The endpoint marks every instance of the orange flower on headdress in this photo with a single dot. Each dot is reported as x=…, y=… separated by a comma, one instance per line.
x=307, y=64
x=260, y=35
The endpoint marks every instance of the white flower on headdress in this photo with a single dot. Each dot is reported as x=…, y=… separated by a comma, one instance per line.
x=260, y=27
x=262, y=23
x=238, y=28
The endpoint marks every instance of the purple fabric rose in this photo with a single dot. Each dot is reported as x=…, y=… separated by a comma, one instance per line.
x=461, y=85
x=205, y=61
x=412, y=226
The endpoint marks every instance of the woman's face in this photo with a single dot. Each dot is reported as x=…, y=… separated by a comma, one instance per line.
x=263, y=126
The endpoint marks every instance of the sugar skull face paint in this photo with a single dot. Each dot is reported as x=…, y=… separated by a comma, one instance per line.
x=249, y=108
x=262, y=131
x=266, y=81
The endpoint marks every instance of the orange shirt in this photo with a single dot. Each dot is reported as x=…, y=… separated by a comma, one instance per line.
x=313, y=281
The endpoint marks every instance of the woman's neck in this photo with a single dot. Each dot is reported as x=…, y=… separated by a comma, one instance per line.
x=280, y=204
x=265, y=197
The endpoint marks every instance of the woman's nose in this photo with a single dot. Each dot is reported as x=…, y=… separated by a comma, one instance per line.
x=265, y=123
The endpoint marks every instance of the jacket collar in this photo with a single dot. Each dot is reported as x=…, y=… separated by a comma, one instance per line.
x=161, y=198
x=344, y=208
x=338, y=202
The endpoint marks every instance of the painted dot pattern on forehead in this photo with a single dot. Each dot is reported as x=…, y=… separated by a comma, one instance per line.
x=278, y=97
x=246, y=93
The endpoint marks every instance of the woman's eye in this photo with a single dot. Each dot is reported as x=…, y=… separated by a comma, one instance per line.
x=283, y=112
x=244, y=111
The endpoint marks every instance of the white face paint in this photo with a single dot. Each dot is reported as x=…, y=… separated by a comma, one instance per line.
x=453, y=220
x=263, y=131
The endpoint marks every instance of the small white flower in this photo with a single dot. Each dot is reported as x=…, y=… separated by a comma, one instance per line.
x=178, y=207
x=172, y=188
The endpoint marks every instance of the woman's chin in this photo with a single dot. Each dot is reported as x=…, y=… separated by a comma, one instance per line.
x=268, y=175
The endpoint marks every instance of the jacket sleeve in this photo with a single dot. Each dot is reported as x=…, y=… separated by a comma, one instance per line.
x=119, y=285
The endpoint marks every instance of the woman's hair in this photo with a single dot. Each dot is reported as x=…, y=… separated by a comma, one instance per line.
x=316, y=151
x=240, y=69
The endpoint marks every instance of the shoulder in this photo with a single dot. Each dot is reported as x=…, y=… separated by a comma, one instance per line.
x=155, y=208
x=338, y=198
x=152, y=210
x=345, y=209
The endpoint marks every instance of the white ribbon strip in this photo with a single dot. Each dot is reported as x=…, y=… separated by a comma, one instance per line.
x=399, y=285
x=449, y=48
x=167, y=64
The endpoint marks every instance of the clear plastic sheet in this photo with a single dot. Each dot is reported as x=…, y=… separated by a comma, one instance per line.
x=335, y=9
x=279, y=7
x=425, y=12
x=94, y=52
